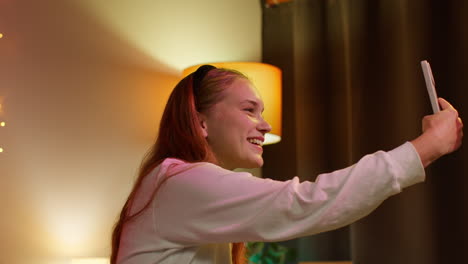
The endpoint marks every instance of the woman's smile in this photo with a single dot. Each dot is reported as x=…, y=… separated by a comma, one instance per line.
x=235, y=128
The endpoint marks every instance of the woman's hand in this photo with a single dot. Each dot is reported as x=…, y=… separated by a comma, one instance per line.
x=442, y=134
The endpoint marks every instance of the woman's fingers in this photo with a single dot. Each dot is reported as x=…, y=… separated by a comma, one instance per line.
x=446, y=105
x=442, y=133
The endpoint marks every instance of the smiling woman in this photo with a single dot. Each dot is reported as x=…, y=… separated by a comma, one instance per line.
x=188, y=206
x=267, y=80
x=235, y=129
x=187, y=127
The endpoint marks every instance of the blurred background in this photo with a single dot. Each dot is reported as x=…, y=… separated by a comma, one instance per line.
x=353, y=85
x=82, y=88
x=83, y=84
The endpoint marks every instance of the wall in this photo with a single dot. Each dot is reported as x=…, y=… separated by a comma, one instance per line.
x=82, y=87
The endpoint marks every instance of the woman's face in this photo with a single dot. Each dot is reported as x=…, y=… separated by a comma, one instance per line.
x=235, y=128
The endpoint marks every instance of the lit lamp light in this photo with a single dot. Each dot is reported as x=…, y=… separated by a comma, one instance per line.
x=2, y=124
x=267, y=79
x=90, y=261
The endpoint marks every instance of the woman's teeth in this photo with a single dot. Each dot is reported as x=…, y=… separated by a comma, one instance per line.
x=255, y=141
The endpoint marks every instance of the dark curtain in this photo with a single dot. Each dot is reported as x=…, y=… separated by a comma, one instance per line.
x=353, y=85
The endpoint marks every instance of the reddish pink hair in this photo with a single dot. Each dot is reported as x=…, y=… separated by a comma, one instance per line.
x=180, y=137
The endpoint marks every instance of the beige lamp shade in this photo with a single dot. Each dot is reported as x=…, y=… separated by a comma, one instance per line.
x=267, y=79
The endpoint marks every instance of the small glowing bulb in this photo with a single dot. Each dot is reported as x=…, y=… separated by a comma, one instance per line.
x=1, y=35
x=2, y=124
x=1, y=150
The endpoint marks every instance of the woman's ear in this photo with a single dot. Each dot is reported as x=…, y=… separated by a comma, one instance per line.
x=203, y=125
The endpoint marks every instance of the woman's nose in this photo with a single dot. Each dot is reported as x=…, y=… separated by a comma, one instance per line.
x=263, y=126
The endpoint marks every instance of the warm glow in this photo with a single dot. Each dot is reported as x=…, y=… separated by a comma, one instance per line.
x=267, y=79
x=72, y=230
x=2, y=124
x=272, y=3
x=90, y=261
x=1, y=35
x=1, y=150
x=70, y=158
x=185, y=32
x=70, y=234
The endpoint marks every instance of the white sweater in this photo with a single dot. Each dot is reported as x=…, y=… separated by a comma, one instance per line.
x=202, y=208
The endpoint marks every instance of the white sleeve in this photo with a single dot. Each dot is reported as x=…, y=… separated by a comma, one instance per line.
x=207, y=204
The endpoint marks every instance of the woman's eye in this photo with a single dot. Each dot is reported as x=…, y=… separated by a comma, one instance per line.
x=250, y=110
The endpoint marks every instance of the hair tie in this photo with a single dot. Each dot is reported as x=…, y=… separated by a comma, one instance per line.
x=198, y=76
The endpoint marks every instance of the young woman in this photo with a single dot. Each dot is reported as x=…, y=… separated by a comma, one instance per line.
x=188, y=206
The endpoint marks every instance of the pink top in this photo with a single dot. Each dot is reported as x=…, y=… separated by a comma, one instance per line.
x=202, y=208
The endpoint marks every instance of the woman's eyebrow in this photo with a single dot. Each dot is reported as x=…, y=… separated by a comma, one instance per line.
x=254, y=103
x=250, y=101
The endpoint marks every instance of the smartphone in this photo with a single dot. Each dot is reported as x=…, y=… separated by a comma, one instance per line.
x=430, y=85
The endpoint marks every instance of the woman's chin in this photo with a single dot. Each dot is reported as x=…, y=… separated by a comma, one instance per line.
x=249, y=163
x=256, y=162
